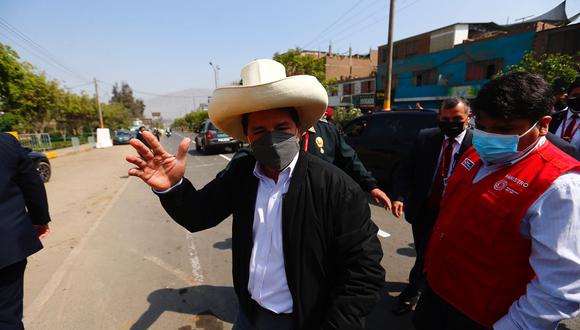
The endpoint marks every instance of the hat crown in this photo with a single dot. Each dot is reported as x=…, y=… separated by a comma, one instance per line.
x=260, y=72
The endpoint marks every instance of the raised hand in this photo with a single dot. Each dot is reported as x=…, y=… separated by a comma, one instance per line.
x=156, y=167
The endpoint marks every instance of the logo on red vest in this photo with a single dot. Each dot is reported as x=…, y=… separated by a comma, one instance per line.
x=500, y=185
x=468, y=164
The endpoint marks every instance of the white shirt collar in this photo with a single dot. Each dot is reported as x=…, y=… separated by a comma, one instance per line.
x=459, y=138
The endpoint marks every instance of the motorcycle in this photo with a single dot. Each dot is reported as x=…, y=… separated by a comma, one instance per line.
x=168, y=133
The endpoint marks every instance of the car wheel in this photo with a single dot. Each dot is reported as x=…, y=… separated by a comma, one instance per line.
x=197, y=147
x=236, y=148
x=205, y=149
x=43, y=169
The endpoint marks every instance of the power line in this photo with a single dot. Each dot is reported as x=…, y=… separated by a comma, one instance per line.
x=38, y=50
x=155, y=94
x=333, y=23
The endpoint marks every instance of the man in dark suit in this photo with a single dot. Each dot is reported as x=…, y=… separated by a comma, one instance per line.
x=565, y=123
x=420, y=183
x=23, y=220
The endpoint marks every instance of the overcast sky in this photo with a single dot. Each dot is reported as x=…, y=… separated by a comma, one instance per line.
x=165, y=46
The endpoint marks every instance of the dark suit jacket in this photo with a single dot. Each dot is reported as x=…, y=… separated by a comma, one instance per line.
x=557, y=119
x=415, y=174
x=563, y=145
x=23, y=203
x=331, y=251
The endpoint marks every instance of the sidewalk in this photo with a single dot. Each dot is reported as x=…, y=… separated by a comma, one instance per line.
x=69, y=150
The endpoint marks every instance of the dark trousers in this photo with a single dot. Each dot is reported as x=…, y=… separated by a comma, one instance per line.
x=422, y=227
x=11, y=294
x=434, y=313
x=264, y=320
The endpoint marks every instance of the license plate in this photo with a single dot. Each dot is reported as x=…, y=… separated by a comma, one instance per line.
x=224, y=140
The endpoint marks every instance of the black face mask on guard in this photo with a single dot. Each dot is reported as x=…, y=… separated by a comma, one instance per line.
x=451, y=128
x=275, y=149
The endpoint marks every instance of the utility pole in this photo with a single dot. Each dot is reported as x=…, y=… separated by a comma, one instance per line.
x=215, y=73
x=389, y=73
x=98, y=103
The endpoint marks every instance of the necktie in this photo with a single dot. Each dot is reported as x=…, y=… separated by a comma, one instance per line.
x=569, y=133
x=442, y=171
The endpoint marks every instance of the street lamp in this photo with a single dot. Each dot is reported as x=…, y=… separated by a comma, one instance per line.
x=215, y=73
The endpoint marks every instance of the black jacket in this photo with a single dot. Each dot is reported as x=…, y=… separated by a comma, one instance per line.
x=415, y=174
x=557, y=119
x=331, y=251
x=326, y=142
x=23, y=203
x=563, y=145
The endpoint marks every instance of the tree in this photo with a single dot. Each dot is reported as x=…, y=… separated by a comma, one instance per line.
x=550, y=66
x=124, y=96
x=297, y=63
x=342, y=115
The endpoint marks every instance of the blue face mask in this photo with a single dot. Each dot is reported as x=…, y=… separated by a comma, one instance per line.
x=498, y=148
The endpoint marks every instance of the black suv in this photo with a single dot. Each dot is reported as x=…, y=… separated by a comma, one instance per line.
x=382, y=139
x=211, y=138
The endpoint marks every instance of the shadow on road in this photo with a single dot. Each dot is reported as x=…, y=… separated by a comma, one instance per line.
x=213, y=305
x=224, y=245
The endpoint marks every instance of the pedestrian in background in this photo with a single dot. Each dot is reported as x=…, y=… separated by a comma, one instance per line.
x=567, y=122
x=24, y=221
x=305, y=251
x=420, y=182
x=325, y=141
x=504, y=251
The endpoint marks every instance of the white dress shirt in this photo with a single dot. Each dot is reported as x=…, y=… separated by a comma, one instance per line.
x=576, y=138
x=552, y=223
x=267, y=284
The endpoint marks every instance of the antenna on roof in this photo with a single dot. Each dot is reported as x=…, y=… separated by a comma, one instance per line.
x=523, y=18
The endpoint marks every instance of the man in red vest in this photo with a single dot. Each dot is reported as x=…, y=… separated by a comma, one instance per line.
x=504, y=252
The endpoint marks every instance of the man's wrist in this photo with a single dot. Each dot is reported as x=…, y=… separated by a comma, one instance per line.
x=168, y=189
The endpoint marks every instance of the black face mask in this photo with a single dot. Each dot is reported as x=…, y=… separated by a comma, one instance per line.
x=559, y=105
x=275, y=149
x=451, y=129
x=574, y=104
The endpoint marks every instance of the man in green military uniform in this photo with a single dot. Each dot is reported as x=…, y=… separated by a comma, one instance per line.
x=325, y=141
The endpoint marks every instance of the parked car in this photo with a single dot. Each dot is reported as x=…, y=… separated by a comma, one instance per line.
x=382, y=139
x=42, y=164
x=210, y=138
x=122, y=137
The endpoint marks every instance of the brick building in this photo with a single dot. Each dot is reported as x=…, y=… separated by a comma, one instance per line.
x=342, y=67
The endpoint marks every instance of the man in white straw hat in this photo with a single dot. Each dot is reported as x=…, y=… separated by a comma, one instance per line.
x=305, y=251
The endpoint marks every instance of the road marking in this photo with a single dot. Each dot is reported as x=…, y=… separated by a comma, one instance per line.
x=225, y=157
x=33, y=310
x=383, y=233
x=193, y=258
x=176, y=272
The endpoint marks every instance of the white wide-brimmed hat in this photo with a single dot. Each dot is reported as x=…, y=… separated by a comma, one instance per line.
x=264, y=87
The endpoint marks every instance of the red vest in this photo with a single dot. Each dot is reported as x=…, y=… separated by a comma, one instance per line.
x=477, y=260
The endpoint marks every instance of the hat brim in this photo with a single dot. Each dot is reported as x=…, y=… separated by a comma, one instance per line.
x=303, y=93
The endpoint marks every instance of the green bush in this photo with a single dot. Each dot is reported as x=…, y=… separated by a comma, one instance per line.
x=342, y=115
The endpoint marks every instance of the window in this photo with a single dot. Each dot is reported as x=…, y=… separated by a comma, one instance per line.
x=367, y=86
x=425, y=77
x=347, y=89
x=400, y=127
x=483, y=70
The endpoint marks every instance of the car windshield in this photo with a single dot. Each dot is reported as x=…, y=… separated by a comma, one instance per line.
x=123, y=134
x=211, y=127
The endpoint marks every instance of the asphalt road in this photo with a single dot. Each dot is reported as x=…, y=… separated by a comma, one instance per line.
x=115, y=260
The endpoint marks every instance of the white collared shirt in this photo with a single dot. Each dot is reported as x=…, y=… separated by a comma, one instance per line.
x=576, y=138
x=267, y=283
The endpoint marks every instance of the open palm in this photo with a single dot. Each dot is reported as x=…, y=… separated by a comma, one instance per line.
x=156, y=167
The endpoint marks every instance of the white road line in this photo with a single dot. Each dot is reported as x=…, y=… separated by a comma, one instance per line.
x=383, y=233
x=193, y=258
x=176, y=272
x=33, y=310
x=225, y=157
